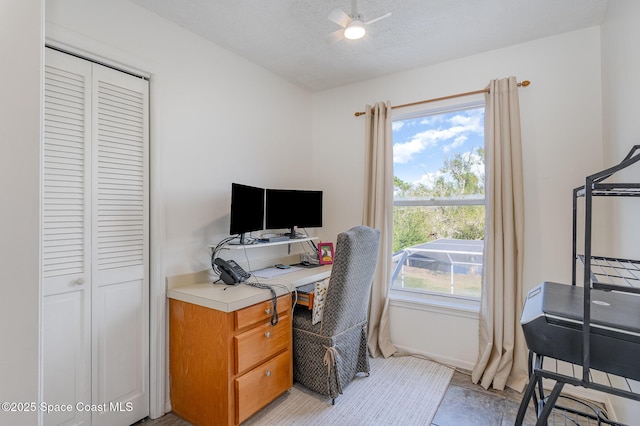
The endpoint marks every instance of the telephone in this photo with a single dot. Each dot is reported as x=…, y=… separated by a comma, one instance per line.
x=230, y=272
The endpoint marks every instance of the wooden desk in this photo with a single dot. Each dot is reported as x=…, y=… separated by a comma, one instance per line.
x=227, y=360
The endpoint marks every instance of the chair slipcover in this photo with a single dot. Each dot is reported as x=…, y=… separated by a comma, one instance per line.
x=328, y=355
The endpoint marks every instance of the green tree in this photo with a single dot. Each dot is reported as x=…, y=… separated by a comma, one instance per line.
x=400, y=187
x=409, y=227
x=458, y=177
x=461, y=169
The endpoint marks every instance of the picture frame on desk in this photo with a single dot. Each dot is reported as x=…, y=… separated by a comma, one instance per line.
x=325, y=253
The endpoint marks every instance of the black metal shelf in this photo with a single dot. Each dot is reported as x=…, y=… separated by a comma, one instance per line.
x=552, y=370
x=600, y=273
x=612, y=190
x=615, y=274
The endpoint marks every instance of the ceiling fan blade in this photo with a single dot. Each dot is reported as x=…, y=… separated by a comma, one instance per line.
x=339, y=17
x=386, y=15
x=335, y=36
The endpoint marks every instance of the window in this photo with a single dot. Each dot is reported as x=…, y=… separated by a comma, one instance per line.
x=439, y=202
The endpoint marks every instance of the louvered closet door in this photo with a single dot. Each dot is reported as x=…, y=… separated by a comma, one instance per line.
x=120, y=253
x=66, y=244
x=95, y=315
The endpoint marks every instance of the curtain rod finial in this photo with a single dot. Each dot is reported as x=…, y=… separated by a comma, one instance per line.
x=525, y=83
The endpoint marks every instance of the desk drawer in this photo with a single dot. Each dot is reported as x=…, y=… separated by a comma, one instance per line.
x=262, y=385
x=261, y=311
x=260, y=343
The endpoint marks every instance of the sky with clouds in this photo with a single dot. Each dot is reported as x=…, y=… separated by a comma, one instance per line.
x=420, y=145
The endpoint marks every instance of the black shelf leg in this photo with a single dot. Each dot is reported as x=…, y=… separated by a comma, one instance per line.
x=526, y=398
x=549, y=404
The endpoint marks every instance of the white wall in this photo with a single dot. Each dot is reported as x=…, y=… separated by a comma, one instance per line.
x=621, y=106
x=21, y=52
x=217, y=119
x=561, y=135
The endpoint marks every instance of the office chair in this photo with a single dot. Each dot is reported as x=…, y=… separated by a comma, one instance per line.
x=329, y=354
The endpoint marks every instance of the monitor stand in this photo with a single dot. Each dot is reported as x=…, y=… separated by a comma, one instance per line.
x=242, y=240
x=292, y=233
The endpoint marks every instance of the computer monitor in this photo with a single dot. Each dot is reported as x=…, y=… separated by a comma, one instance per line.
x=290, y=208
x=247, y=209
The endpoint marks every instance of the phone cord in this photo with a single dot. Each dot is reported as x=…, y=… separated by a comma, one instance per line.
x=274, y=300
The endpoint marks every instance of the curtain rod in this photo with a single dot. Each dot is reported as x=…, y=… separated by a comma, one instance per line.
x=525, y=83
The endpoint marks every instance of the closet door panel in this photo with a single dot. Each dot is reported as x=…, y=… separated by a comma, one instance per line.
x=66, y=361
x=66, y=237
x=121, y=348
x=120, y=253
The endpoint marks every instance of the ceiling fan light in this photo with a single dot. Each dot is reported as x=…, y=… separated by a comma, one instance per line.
x=355, y=30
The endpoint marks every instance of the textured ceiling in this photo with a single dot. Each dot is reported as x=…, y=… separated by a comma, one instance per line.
x=289, y=37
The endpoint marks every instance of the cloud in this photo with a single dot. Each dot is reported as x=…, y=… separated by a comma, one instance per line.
x=431, y=120
x=450, y=134
x=428, y=179
x=397, y=125
x=457, y=142
x=404, y=152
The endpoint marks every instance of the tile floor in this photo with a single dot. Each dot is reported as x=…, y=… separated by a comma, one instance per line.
x=464, y=404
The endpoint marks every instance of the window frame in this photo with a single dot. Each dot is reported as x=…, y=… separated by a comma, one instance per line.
x=427, y=297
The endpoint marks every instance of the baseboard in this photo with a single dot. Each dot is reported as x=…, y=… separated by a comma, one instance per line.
x=447, y=361
x=611, y=412
x=578, y=391
x=586, y=394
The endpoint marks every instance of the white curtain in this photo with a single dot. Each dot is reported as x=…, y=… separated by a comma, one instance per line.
x=502, y=354
x=378, y=214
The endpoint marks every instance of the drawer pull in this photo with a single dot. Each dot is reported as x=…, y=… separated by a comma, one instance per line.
x=267, y=311
x=267, y=334
x=268, y=373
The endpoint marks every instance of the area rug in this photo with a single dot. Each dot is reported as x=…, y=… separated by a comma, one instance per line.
x=402, y=390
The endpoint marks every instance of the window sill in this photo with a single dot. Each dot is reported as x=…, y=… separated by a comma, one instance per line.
x=464, y=307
